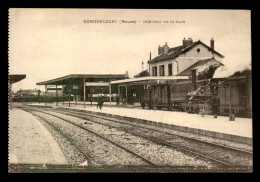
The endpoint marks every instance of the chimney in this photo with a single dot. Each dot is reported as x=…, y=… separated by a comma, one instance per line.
x=142, y=66
x=187, y=42
x=160, y=50
x=212, y=43
x=165, y=48
x=194, y=79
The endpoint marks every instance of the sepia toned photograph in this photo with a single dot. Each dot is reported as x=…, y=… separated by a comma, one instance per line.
x=129, y=91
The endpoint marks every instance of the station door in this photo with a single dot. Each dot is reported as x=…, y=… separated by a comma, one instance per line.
x=160, y=92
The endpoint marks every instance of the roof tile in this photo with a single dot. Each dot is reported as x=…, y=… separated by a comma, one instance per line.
x=176, y=51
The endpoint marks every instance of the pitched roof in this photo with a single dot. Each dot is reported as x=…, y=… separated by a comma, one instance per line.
x=201, y=65
x=176, y=51
x=77, y=77
x=16, y=78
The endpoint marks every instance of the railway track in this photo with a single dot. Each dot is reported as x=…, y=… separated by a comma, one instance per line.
x=156, y=140
x=248, y=152
x=153, y=128
x=234, y=151
x=150, y=163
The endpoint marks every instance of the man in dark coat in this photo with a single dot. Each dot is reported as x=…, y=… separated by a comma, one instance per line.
x=215, y=105
x=98, y=102
x=117, y=100
x=143, y=104
x=101, y=101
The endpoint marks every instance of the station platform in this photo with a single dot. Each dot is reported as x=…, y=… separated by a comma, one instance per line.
x=239, y=130
x=30, y=142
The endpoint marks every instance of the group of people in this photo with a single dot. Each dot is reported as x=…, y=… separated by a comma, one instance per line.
x=130, y=100
x=152, y=104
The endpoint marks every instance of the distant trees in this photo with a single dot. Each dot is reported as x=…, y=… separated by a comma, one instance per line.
x=126, y=74
x=208, y=73
x=142, y=74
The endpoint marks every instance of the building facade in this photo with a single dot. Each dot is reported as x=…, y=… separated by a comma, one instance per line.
x=172, y=61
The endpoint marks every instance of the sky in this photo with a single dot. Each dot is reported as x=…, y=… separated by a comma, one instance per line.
x=48, y=43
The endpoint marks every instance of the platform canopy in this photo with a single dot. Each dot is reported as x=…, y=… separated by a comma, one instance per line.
x=16, y=78
x=148, y=80
x=78, y=78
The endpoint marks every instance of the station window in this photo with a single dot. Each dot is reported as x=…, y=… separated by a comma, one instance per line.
x=154, y=71
x=161, y=70
x=170, y=69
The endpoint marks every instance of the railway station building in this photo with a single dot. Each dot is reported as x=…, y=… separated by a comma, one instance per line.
x=173, y=61
x=171, y=65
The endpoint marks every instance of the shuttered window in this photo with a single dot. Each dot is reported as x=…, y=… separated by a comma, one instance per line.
x=161, y=70
x=154, y=71
x=170, y=69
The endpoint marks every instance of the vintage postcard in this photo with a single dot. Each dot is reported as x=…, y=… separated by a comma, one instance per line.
x=129, y=91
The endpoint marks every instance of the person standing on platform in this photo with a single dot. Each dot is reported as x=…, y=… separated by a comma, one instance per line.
x=101, y=101
x=155, y=103
x=98, y=102
x=117, y=100
x=143, y=104
x=215, y=105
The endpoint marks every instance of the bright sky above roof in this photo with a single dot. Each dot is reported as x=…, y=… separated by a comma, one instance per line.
x=48, y=43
